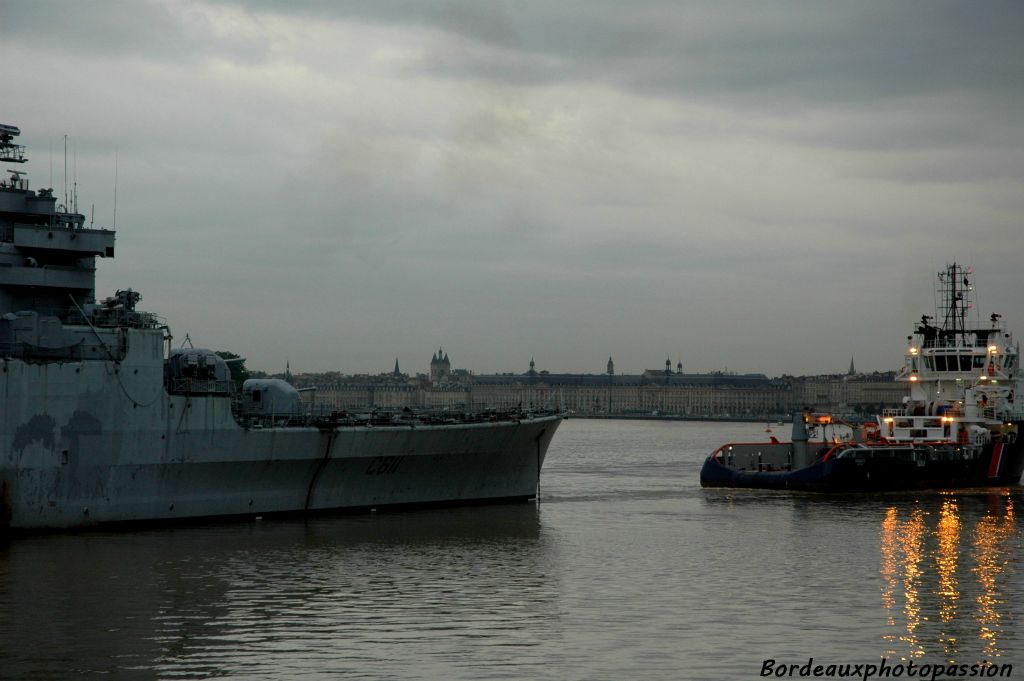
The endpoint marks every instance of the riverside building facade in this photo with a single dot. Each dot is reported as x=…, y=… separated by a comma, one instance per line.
x=668, y=392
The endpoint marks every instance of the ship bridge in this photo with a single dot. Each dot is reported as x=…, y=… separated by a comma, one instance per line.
x=957, y=370
x=47, y=254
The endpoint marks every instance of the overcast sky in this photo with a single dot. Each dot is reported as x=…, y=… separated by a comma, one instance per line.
x=758, y=186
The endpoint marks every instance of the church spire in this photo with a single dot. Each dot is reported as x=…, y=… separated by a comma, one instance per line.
x=852, y=371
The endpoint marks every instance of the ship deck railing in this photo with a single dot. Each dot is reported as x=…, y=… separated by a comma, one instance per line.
x=274, y=420
x=759, y=456
x=120, y=318
x=11, y=153
x=981, y=341
x=426, y=417
x=916, y=451
x=199, y=386
x=323, y=418
x=107, y=318
x=1015, y=413
x=987, y=413
x=906, y=413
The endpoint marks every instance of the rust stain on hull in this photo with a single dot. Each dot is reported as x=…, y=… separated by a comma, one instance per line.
x=5, y=506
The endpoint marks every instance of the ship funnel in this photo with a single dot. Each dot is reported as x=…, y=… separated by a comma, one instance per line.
x=799, y=437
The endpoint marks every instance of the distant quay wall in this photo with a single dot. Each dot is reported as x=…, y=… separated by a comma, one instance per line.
x=754, y=418
x=684, y=397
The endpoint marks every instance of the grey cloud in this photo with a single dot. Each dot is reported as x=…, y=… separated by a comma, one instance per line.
x=812, y=51
x=801, y=50
x=749, y=184
x=147, y=29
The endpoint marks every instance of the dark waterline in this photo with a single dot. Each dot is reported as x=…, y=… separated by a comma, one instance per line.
x=626, y=569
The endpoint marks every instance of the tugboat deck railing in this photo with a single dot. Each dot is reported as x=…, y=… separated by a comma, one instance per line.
x=955, y=343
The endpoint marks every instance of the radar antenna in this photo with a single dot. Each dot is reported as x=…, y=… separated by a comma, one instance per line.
x=9, y=151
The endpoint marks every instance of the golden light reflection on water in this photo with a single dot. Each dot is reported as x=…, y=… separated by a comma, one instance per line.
x=943, y=578
x=991, y=554
x=890, y=563
x=946, y=561
x=901, y=567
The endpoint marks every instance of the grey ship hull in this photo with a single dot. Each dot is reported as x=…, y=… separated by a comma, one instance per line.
x=91, y=442
x=99, y=425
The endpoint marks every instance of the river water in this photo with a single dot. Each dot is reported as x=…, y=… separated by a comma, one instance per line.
x=626, y=569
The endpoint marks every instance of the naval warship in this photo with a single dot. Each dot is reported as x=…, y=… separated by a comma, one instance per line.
x=958, y=428
x=104, y=422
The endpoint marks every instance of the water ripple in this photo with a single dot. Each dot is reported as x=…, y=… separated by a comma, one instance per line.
x=626, y=569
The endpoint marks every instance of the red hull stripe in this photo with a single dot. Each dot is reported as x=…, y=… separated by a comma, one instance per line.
x=997, y=459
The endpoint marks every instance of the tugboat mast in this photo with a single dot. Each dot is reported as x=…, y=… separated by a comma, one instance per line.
x=955, y=291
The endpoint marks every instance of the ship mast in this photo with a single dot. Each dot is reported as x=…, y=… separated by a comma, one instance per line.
x=955, y=294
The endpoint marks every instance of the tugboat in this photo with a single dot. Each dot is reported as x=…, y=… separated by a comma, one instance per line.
x=102, y=421
x=958, y=428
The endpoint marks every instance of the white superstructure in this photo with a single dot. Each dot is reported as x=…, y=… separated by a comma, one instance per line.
x=964, y=377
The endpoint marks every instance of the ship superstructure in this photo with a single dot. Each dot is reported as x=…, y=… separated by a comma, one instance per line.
x=962, y=375
x=102, y=421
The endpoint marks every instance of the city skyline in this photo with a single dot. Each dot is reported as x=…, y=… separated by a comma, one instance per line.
x=766, y=188
x=414, y=369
